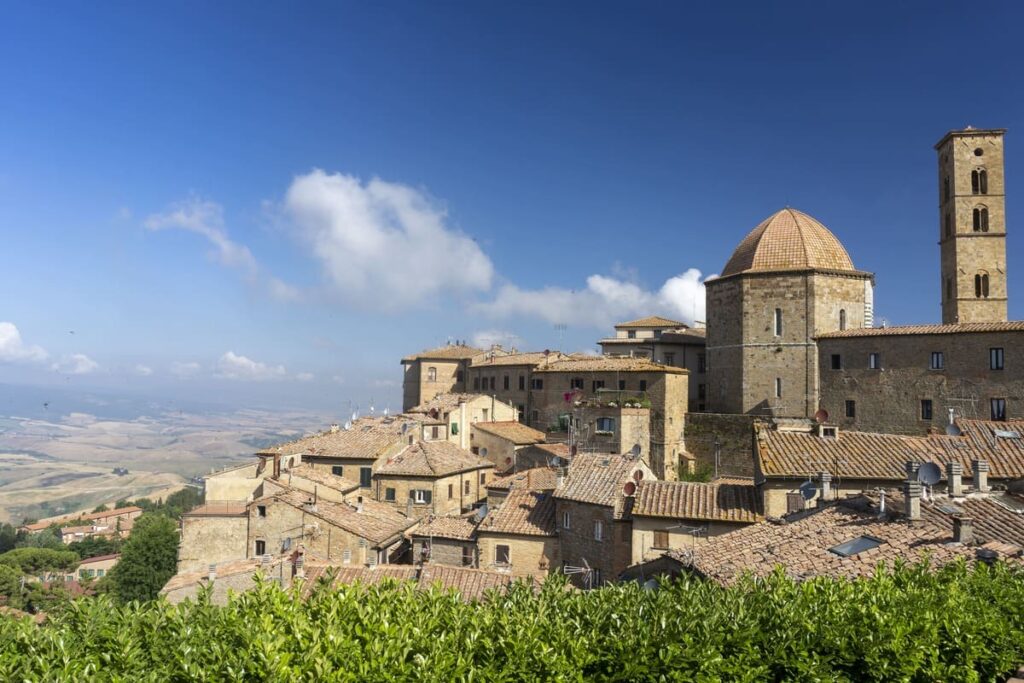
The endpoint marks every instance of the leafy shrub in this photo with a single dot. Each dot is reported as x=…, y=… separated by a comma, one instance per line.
x=148, y=559
x=38, y=560
x=956, y=624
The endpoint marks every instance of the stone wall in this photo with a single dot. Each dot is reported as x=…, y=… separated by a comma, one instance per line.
x=528, y=555
x=498, y=450
x=576, y=542
x=889, y=399
x=237, y=483
x=446, y=551
x=448, y=494
x=679, y=538
x=208, y=539
x=735, y=437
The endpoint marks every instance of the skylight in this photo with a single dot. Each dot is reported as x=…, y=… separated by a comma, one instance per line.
x=856, y=546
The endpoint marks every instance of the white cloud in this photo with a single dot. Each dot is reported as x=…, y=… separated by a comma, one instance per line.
x=188, y=369
x=484, y=339
x=233, y=366
x=604, y=301
x=383, y=244
x=304, y=376
x=14, y=350
x=143, y=370
x=76, y=364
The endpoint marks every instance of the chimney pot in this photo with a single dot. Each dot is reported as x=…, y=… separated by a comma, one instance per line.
x=955, y=479
x=912, y=499
x=980, y=471
x=826, y=487
x=213, y=572
x=912, y=469
x=963, y=530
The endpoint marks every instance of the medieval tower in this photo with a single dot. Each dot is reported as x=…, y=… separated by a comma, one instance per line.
x=972, y=226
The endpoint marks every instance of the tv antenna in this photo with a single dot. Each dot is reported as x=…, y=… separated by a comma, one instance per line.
x=560, y=328
x=585, y=571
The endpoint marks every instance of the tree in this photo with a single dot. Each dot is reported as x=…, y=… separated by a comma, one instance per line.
x=148, y=559
x=40, y=560
x=102, y=507
x=8, y=537
x=47, y=538
x=95, y=546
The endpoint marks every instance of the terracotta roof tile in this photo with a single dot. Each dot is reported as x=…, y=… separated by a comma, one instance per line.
x=513, y=431
x=533, y=479
x=961, y=328
x=368, y=438
x=651, y=321
x=321, y=477
x=471, y=584
x=788, y=240
x=445, y=403
x=532, y=358
x=523, y=512
x=462, y=528
x=377, y=523
x=447, y=352
x=432, y=459
x=688, y=500
x=609, y=364
x=597, y=478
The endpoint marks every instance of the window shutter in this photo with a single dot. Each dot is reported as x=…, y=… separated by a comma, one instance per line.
x=427, y=496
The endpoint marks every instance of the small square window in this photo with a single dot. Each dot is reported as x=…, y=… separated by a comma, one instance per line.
x=643, y=385
x=998, y=406
x=502, y=555
x=337, y=470
x=365, y=477
x=389, y=495
x=261, y=510
x=851, y=409
x=938, y=361
x=874, y=361
x=926, y=409
x=995, y=359
x=837, y=361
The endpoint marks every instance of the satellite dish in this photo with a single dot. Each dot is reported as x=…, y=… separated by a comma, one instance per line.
x=348, y=426
x=651, y=585
x=638, y=475
x=953, y=430
x=929, y=474
x=635, y=450
x=808, y=490
x=629, y=489
x=821, y=417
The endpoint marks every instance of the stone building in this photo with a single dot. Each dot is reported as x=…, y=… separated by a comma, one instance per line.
x=500, y=442
x=533, y=479
x=509, y=376
x=906, y=380
x=519, y=535
x=212, y=533
x=787, y=282
x=664, y=341
x=592, y=514
x=451, y=416
x=682, y=516
x=972, y=226
x=432, y=477
x=449, y=541
x=437, y=371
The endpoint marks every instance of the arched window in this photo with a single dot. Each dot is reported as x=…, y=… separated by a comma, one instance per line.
x=981, y=285
x=431, y=374
x=979, y=181
x=975, y=183
x=842, y=318
x=983, y=174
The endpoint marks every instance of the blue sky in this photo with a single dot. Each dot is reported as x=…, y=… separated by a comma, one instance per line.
x=273, y=203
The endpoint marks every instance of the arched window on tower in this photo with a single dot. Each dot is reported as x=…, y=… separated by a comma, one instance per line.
x=842, y=318
x=981, y=219
x=975, y=183
x=979, y=181
x=983, y=176
x=981, y=285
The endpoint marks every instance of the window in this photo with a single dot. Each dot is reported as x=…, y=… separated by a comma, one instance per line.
x=631, y=334
x=420, y=496
x=874, y=361
x=431, y=374
x=337, y=470
x=483, y=414
x=926, y=409
x=576, y=383
x=778, y=387
x=702, y=392
x=467, y=556
x=670, y=359
x=702, y=363
x=995, y=359
x=981, y=285
x=660, y=539
x=536, y=383
x=598, y=530
x=606, y=424
x=622, y=385
x=466, y=487
x=981, y=219
x=949, y=225
x=505, y=383
x=778, y=322
x=938, y=361
x=435, y=432
x=389, y=495
x=476, y=383
x=458, y=376
x=493, y=380
x=502, y=556
x=979, y=181
x=842, y=318
x=483, y=478
x=975, y=182
x=451, y=491
x=998, y=408
x=596, y=384
x=856, y=546
x=261, y=510
x=643, y=385
x=851, y=409
x=522, y=382
x=565, y=521
x=837, y=361
x=365, y=477
x=260, y=547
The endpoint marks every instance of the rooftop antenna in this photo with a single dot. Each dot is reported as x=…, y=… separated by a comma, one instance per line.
x=951, y=428
x=371, y=406
x=586, y=571
x=560, y=328
x=881, y=503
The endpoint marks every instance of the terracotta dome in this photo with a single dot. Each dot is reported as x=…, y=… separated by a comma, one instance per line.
x=789, y=240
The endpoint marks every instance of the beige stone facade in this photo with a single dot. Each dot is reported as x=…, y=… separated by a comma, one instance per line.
x=972, y=226
x=212, y=533
x=526, y=555
x=418, y=496
x=438, y=371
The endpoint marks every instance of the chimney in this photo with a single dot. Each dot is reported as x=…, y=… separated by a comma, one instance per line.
x=980, y=468
x=955, y=479
x=912, y=469
x=359, y=504
x=277, y=465
x=963, y=530
x=300, y=566
x=335, y=428
x=826, y=487
x=912, y=499
x=213, y=573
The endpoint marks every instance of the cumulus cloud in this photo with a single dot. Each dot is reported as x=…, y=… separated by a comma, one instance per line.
x=14, y=350
x=234, y=366
x=604, y=301
x=76, y=364
x=143, y=370
x=383, y=244
x=189, y=369
x=304, y=376
x=484, y=339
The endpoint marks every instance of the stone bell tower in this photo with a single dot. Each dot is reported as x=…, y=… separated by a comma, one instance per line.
x=972, y=226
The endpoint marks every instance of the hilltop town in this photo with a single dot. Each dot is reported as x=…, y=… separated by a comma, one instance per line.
x=787, y=430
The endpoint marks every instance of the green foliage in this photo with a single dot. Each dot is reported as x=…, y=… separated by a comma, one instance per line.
x=8, y=537
x=176, y=503
x=95, y=546
x=957, y=624
x=148, y=559
x=47, y=538
x=703, y=473
x=40, y=560
x=100, y=508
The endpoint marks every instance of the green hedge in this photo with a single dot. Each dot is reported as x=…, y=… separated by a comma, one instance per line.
x=957, y=624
